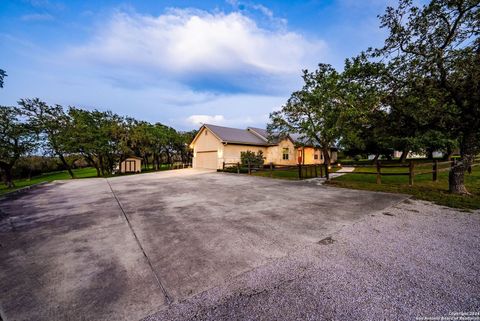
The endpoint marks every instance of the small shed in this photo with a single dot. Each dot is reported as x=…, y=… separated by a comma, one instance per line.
x=132, y=164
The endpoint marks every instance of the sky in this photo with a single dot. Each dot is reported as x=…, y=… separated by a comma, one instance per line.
x=181, y=63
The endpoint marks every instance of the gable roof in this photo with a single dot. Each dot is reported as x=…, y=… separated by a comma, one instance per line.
x=250, y=136
x=236, y=136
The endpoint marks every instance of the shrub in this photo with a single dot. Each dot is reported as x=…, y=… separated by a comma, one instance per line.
x=255, y=160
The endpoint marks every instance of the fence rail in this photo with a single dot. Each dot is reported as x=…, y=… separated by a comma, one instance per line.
x=414, y=169
x=305, y=171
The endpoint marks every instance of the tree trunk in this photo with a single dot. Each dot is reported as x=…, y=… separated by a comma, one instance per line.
x=326, y=156
x=7, y=176
x=448, y=154
x=403, y=157
x=430, y=153
x=66, y=165
x=456, y=179
x=375, y=159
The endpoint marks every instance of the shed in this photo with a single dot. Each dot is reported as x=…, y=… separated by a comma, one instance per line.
x=132, y=164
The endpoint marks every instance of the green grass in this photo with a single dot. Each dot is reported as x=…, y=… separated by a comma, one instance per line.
x=423, y=188
x=48, y=177
x=63, y=175
x=283, y=174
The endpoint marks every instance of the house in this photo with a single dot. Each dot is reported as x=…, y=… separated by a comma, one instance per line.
x=213, y=145
x=131, y=164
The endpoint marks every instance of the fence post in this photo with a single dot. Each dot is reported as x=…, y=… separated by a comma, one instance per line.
x=249, y=169
x=411, y=174
x=321, y=171
x=299, y=171
x=435, y=171
x=327, y=174
x=379, y=174
x=223, y=167
x=271, y=169
x=316, y=172
x=238, y=167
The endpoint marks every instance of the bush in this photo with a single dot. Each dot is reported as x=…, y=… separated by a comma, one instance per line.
x=357, y=158
x=249, y=157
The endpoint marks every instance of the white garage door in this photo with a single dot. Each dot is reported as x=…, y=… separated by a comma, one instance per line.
x=206, y=160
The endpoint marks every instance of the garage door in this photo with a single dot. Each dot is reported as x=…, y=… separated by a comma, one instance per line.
x=206, y=160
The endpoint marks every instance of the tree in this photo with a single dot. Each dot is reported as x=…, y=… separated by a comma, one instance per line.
x=52, y=125
x=315, y=112
x=435, y=49
x=99, y=137
x=16, y=139
x=367, y=126
x=3, y=74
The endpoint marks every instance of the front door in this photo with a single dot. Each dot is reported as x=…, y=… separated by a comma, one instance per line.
x=300, y=156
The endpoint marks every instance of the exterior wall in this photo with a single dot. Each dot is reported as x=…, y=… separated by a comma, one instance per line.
x=207, y=142
x=125, y=168
x=274, y=153
x=309, y=155
x=231, y=153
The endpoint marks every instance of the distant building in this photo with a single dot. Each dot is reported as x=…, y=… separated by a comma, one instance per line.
x=132, y=164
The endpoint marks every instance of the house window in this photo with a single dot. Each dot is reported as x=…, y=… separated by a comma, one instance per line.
x=206, y=132
x=285, y=153
x=315, y=156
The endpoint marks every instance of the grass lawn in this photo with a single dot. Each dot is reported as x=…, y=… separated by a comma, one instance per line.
x=62, y=175
x=283, y=174
x=423, y=188
x=48, y=177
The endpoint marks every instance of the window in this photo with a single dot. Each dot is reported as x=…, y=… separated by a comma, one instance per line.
x=206, y=132
x=315, y=156
x=285, y=153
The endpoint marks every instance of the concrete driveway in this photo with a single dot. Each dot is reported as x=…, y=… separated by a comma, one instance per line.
x=123, y=248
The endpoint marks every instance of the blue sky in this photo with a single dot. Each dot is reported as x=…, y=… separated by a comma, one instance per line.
x=177, y=62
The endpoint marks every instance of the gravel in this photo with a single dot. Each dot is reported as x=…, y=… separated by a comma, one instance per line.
x=412, y=261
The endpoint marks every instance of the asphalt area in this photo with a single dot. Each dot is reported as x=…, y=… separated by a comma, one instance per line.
x=190, y=244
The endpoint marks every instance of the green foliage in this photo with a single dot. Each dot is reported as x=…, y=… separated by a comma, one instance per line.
x=3, y=74
x=315, y=112
x=434, y=60
x=249, y=157
x=78, y=137
x=16, y=139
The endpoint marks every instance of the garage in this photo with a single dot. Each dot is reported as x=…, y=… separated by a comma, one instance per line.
x=206, y=159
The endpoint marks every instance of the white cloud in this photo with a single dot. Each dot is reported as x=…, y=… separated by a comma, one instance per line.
x=186, y=42
x=37, y=17
x=198, y=120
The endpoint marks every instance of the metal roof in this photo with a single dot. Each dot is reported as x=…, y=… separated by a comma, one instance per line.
x=252, y=136
x=235, y=135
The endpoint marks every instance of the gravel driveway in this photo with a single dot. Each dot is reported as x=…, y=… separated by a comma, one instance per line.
x=411, y=261
x=189, y=244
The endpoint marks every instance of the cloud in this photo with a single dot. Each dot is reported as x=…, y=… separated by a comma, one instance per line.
x=37, y=17
x=202, y=49
x=198, y=120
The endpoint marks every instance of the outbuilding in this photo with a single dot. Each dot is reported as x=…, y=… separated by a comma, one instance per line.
x=132, y=164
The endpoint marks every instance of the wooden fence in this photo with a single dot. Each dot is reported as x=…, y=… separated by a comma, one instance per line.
x=304, y=171
x=412, y=169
